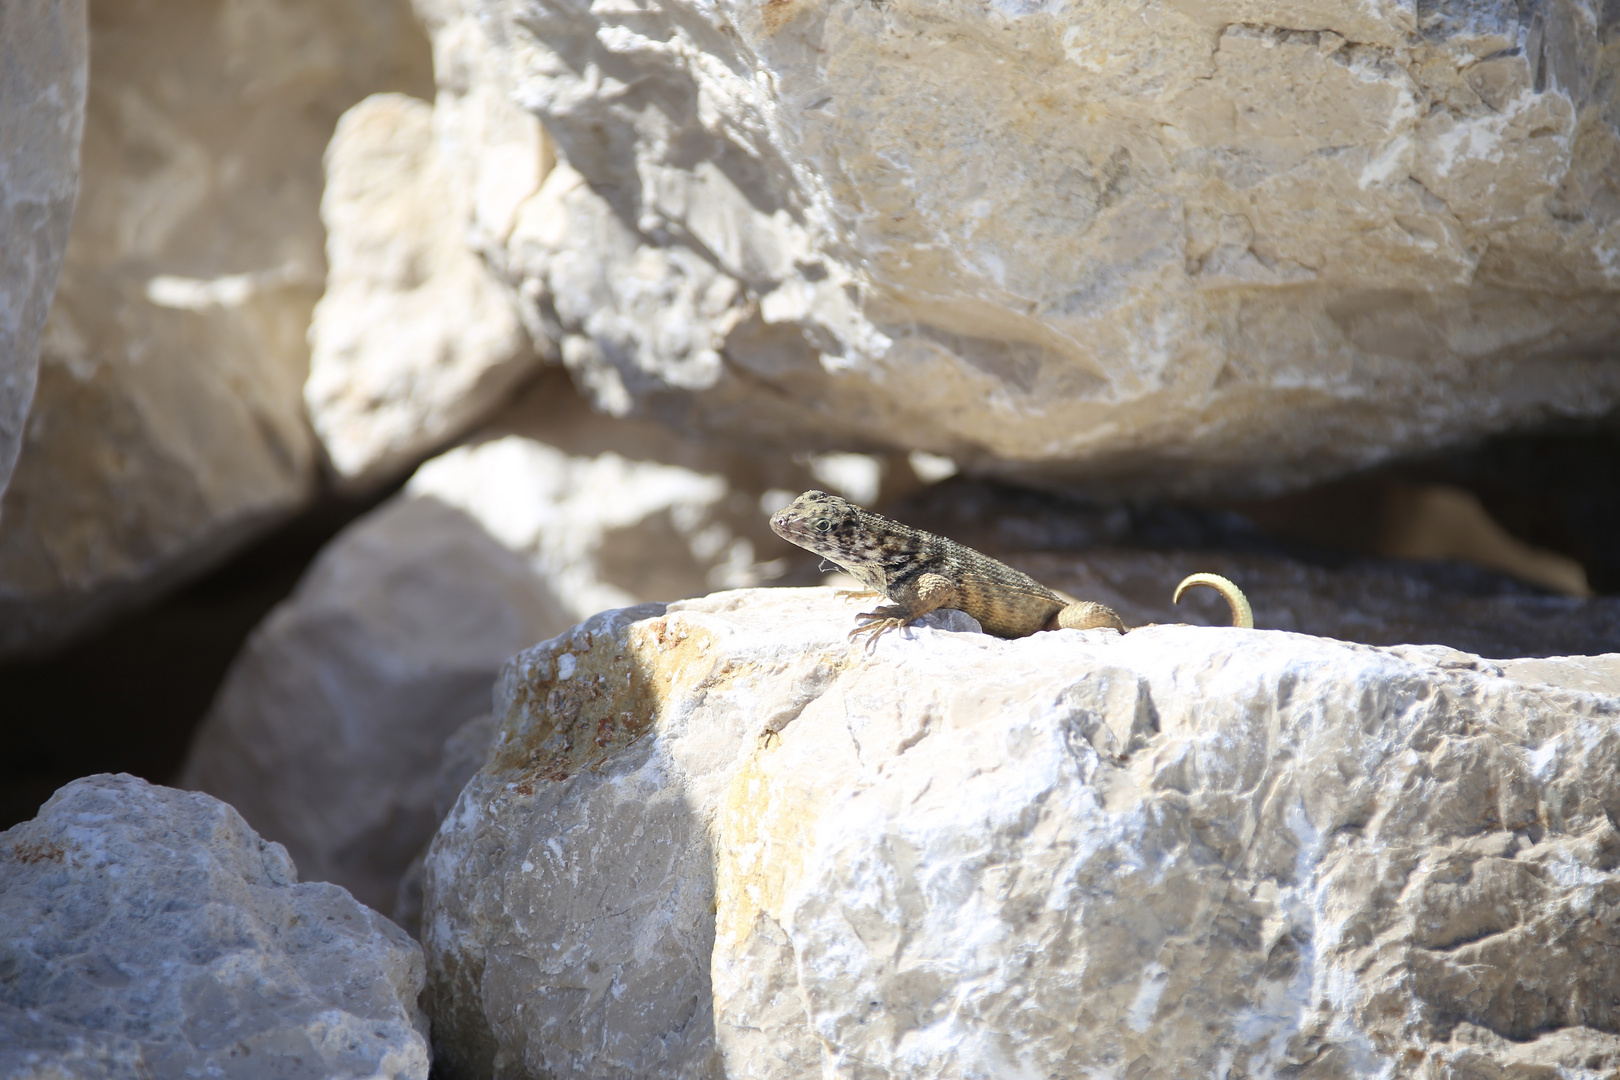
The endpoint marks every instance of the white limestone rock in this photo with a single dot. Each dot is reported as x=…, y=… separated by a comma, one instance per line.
x=146, y=931
x=1220, y=245
x=168, y=425
x=44, y=53
x=415, y=339
x=495, y=151
x=717, y=839
x=330, y=729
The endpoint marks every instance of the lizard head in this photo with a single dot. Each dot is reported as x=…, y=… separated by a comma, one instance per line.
x=822, y=523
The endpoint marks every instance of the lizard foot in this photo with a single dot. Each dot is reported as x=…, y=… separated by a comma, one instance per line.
x=853, y=593
x=1242, y=613
x=879, y=622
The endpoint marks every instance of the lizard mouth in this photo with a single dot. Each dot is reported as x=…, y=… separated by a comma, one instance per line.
x=785, y=524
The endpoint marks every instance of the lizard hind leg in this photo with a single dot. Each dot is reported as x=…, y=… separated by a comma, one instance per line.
x=1088, y=615
x=1242, y=613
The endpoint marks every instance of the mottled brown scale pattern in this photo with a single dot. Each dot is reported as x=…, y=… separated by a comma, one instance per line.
x=919, y=572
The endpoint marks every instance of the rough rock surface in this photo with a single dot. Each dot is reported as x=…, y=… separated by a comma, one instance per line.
x=717, y=839
x=169, y=421
x=148, y=932
x=415, y=339
x=43, y=55
x=329, y=729
x=1217, y=245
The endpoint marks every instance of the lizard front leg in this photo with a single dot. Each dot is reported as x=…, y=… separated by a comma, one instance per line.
x=929, y=593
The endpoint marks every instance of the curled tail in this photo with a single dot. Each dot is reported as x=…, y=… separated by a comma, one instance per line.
x=1242, y=613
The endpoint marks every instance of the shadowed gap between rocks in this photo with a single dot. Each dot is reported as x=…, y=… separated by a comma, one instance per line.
x=128, y=698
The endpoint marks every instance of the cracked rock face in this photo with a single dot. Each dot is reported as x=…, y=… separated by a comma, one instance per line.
x=146, y=931
x=1208, y=246
x=715, y=839
x=43, y=68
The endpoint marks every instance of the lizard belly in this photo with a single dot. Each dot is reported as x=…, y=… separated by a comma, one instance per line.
x=1021, y=618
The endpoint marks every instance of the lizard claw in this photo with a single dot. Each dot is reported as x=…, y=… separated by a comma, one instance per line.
x=878, y=623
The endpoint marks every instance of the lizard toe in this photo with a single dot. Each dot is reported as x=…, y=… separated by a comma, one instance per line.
x=876, y=628
x=855, y=594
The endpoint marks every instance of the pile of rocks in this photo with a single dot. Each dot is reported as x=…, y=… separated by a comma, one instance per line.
x=598, y=289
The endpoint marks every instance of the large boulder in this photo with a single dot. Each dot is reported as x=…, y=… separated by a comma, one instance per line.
x=715, y=838
x=146, y=931
x=415, y=339
x=328, y=732
x=462, y=756
x=169, y=421
x=43, y=57
x=1216, y=245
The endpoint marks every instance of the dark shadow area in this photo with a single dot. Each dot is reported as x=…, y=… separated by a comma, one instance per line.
x=128, y=698
x=1558, y=491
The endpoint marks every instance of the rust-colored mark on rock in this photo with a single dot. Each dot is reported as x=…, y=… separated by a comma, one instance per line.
x=38, y=853
x=777, y=13
x=596, y=695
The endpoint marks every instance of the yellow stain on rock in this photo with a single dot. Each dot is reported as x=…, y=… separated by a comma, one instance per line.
x=585, y=704
x=766, y=823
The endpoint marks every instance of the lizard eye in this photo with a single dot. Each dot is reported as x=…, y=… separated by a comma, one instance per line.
x=823, y=525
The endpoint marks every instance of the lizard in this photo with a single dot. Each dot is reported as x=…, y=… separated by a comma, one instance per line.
x=920, y=572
